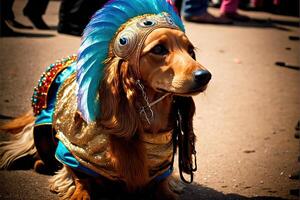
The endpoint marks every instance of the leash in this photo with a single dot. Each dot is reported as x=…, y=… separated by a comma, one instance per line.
x=185, y=141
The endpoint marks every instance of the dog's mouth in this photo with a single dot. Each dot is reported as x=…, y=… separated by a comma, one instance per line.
x=185, y=86
x=191, y=92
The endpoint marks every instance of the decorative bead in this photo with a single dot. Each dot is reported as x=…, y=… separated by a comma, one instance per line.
x=39, y=97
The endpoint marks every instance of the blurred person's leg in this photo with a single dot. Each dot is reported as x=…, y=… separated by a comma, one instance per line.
x=8, y=15
x=5, y=30
x=194, y=8
x=74, y=15
x=196, y=11
x=229, y=10
x=5, y=11
x=34, y=10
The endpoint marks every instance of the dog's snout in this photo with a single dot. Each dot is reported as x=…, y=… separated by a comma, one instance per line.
x=202, y=77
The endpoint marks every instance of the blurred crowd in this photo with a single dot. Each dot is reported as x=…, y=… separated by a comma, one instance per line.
x=75, y=14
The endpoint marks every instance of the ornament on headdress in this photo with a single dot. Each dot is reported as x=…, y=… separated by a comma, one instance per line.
x=132, y=35
x=145, y=15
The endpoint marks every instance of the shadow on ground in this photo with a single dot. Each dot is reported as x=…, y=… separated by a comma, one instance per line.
x=269, y=23
x=196, y=191
x=28, y=35
x=191, y=192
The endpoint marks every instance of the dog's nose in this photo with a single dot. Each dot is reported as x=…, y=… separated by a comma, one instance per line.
x=202, y=77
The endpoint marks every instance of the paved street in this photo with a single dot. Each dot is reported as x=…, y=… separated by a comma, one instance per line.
x=245, y=121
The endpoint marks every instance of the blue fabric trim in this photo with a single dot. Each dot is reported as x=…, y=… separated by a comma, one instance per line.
x=64, y=156
x=46, y=114
x=164, y=175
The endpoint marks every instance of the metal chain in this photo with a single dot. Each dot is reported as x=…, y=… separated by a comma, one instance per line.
x=144, y=109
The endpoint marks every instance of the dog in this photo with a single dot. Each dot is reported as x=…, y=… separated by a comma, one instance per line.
x=119, y=127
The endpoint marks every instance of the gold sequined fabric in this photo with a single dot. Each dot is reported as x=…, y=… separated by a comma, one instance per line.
x=91, y=147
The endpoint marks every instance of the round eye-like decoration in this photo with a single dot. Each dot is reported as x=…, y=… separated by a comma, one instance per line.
x=147, y=22
x=123, y=41
x=170, y=20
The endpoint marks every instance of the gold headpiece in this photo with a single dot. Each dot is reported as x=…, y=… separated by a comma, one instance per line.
x=131, y=35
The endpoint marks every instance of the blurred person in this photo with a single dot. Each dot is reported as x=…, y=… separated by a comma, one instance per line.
x=8, y=18
x=34, y=10
x=8, y=15
x=228, y=10
x=5, y=30
x=74, y=15
x=196, y=11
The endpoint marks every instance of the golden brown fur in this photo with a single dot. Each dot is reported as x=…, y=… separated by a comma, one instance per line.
x=16, y=125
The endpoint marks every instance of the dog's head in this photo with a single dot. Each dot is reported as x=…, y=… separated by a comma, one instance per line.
x=127, y=41
x=153, y=51
x=168, y=64
x=160, y=55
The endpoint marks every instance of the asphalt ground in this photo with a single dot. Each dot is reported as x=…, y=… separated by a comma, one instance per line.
x=245, y=121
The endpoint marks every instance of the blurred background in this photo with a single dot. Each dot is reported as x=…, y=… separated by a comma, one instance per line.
x=247, y=121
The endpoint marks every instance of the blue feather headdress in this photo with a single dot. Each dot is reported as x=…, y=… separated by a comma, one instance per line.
x=95, y=44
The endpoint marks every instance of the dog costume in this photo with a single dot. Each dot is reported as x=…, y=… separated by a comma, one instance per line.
x=66, y=101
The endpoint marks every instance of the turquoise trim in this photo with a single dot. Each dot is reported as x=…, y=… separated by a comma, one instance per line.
x=164, y=175
x=45, y=116
x=64, y=156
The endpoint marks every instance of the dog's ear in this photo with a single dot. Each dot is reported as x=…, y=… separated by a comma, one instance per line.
x=117, y=94
x=121, y=121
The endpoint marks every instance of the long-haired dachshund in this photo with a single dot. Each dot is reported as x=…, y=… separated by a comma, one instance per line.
x=143, y=108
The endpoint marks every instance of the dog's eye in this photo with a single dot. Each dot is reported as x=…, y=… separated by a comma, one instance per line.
x=159, y=50
x=192, y=52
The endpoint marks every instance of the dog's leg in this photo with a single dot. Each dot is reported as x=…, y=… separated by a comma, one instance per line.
x=82, y=190
x=82, y=187
x=163, y=191
x=62, y=183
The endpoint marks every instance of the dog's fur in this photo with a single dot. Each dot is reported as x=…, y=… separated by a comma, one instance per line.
x=160, y=71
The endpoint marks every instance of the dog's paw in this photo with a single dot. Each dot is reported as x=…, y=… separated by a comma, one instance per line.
x=39, y=167
x=80, y=194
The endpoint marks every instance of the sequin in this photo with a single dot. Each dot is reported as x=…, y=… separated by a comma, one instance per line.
x=39, y=97
x=90, y=145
